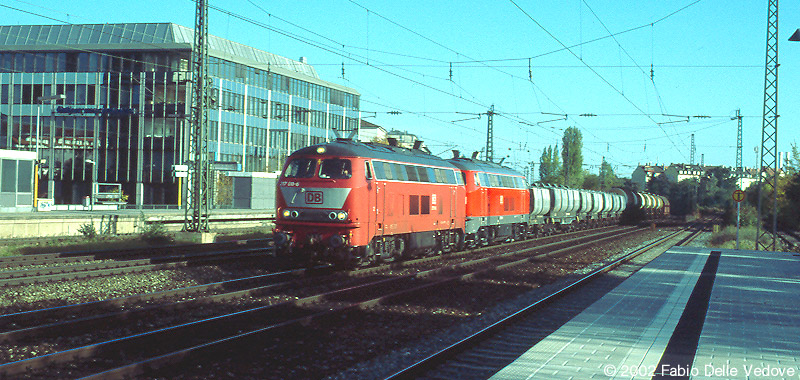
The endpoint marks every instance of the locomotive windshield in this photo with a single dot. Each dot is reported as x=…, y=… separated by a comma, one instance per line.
x=335, y=168
x=300, y=168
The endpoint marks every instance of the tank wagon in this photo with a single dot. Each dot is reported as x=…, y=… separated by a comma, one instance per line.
x=354, y=203
x=558, y=208
x=649, y=206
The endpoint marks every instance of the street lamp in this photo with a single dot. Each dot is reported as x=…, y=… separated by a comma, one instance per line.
x=40, y=101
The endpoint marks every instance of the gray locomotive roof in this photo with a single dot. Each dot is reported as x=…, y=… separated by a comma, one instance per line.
x=350, y=148
x=484, y=166
x=148, y=36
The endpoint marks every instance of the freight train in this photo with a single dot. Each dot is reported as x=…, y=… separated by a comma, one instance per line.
x=353, y=203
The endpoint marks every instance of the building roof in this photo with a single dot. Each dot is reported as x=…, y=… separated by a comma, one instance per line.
x=655, y=169
x=688, y=167
x=367, y=124
x=148, y=36
x=133, y=36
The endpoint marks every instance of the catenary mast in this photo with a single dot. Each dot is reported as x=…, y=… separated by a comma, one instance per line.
x=197, y=201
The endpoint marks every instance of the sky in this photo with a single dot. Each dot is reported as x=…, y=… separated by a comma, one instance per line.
x=636, y=77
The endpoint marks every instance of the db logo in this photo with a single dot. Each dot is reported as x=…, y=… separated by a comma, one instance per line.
x=314, y=197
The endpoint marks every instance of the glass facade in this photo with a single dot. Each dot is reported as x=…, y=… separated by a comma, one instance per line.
x=124, y=114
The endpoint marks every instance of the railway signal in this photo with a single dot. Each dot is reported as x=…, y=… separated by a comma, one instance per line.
x=738, y=197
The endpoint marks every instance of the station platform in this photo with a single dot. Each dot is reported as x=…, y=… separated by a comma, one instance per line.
x=692, y=313
x=61, y=223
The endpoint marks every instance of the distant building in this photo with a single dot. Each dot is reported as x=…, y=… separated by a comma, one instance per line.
x=644, y=173
x=111, y=104
x=371, y=132
x=679, y=172
x=406, y=140
x=675, y=173
x=749, y=177
x=784, y=159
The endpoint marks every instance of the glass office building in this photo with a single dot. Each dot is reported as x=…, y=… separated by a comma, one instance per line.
x=110, y=104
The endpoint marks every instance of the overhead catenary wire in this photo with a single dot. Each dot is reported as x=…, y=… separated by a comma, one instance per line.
x=593, y=70
x=371, y=62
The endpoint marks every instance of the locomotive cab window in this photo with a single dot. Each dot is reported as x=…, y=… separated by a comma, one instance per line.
x=484, y=179
x=335, y=168
x=300, y=168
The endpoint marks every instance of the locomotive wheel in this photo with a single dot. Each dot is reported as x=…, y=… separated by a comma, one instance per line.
x=284, y=251
x=437, y=247
x=459, y=242
x=399, y=247
x=368, y=255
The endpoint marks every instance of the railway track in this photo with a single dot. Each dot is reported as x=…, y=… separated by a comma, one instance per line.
x=791, y=238
x=221, y=333
x=483, y=353
x=121, y=254
x=32, y=269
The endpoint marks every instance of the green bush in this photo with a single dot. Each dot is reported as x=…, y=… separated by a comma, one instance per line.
x=153, y=233
x=747, y=218
x=88, y=231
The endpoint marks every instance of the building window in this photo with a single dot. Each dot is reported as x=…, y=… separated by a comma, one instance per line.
x=9, y=180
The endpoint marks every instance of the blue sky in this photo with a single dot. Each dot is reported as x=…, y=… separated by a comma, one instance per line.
x=707, y=58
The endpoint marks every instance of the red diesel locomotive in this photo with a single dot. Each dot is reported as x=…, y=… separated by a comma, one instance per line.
x=350, y=202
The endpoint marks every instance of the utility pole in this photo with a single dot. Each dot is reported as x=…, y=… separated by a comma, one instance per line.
x=490, y=135
x=738, y=172
x=768, y=168
x=692, y=168
x=739, y=169
x=602, y=175
x=197, y=202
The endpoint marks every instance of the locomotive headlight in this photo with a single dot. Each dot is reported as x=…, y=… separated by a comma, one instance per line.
x=332, y=215
x=287, y=213
x=342, y=215
x=295, y=214
x=321, y=150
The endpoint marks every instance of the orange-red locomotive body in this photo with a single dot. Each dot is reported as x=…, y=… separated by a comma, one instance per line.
x=351, y=202
x=497, y=201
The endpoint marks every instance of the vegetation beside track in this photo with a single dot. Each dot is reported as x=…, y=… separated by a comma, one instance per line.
x=13, y=247
x=726, y=238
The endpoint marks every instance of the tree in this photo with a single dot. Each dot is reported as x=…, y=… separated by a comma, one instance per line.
x=380, y=140
x=659, y=185
x=572, y=157
x=716, y=188
x=549, y=168
x=607, y=177
x=681, y=197
x=789, y=193
x=591, y=181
